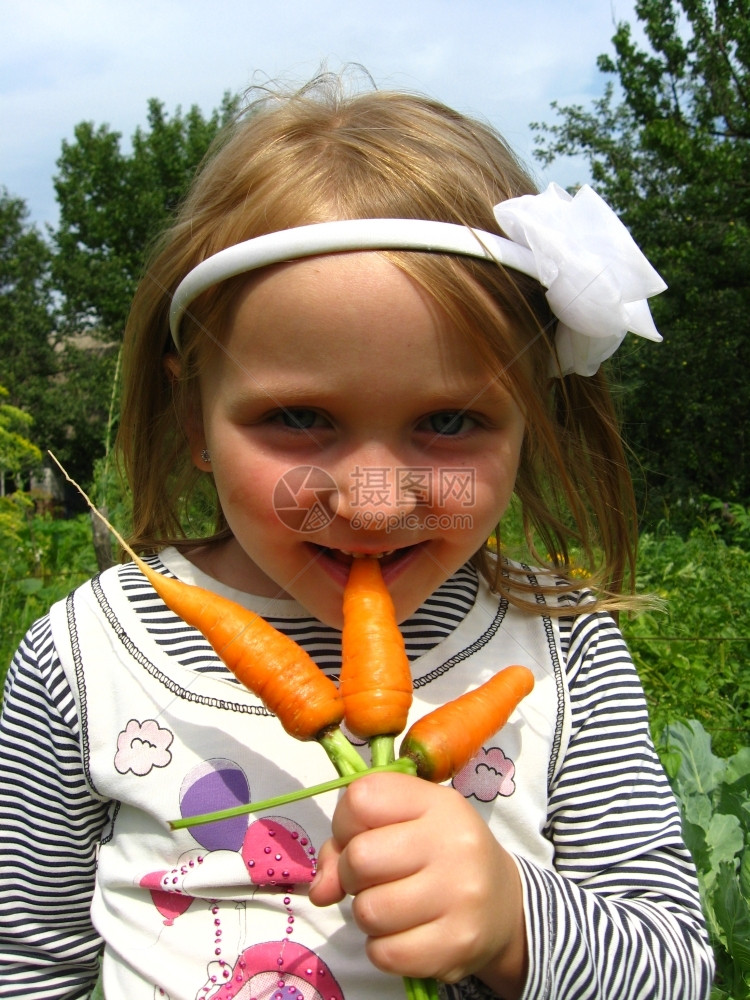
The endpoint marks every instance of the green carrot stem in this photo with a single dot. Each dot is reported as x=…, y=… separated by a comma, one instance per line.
x=404, y=765
x=343, y=755
x=382, y=750
x=421, y=989
x=383, y=753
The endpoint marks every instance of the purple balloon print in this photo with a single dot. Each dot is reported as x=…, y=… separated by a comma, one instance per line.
x=216, y=784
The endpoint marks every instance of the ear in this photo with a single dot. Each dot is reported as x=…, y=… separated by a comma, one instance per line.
x=193, y=418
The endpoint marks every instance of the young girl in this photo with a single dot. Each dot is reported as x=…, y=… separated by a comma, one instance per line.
x=367, y=333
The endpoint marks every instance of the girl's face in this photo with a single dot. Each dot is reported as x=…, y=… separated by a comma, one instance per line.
x=344, y=415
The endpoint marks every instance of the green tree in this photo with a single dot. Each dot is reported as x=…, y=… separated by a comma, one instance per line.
x=113, y=203
x=27, y=319
x=670, y=150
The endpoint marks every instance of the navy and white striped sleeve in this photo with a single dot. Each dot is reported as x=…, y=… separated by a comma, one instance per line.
x=50, y=827
x=619, y=917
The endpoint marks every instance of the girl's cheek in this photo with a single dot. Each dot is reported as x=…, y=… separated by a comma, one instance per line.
x=248, y=505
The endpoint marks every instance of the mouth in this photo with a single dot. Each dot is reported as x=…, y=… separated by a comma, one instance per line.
x=386, y=557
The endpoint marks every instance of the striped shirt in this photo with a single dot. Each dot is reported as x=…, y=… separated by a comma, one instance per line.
x=610, y=922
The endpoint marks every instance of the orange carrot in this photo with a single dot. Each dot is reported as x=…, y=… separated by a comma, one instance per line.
x=375, y=679
x=271, y=665
x=444, y=741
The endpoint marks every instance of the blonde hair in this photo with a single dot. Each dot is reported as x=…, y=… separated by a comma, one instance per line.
x=323, y=153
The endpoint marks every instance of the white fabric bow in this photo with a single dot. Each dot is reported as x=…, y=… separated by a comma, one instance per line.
x=596, y=277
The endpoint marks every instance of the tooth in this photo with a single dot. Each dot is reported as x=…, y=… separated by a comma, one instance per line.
x=363, y=555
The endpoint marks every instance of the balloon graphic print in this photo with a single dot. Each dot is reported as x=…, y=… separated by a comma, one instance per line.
x=212, y=785
x=280, y=970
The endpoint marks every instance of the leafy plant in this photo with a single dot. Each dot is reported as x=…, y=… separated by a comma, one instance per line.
x=16, y=452
x=729, y=519
x=714, y=799
x=693, y=656
x=44, y=560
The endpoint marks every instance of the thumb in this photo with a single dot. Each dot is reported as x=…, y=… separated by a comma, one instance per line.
x=325, y=888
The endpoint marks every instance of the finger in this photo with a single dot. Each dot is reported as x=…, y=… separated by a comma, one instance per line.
x=435, y=949
x=378, y=800
x=414, y=952
x=394, y=907
x=326, y=887
x=378, y=856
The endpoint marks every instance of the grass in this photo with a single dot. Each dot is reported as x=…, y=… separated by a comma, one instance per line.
x=694, y=656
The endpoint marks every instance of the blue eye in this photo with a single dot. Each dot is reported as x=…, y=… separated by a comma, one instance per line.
x=449, y=423
x=298, y=419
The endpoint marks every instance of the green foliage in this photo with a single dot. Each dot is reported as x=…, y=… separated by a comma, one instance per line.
x=44, y=560
x=17, y=454
x=714, y=798
x=27, y=319
x=114, y=202
x=693, y=656
x=729, y=520
x=89, y=375
x=673, y=157
x=64, y=382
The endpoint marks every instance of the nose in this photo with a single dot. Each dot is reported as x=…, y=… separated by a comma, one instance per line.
x=375, y=493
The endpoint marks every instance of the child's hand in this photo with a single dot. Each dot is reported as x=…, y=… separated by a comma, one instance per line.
x=433, y=890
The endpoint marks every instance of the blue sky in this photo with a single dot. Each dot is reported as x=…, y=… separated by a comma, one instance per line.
x=66, y=61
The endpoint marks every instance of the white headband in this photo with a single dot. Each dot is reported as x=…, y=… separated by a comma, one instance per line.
x=596, y=277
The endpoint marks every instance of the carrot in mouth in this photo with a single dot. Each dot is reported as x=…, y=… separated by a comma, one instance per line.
x=375, y=682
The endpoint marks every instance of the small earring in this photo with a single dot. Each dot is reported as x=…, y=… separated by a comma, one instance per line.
x=205, y=457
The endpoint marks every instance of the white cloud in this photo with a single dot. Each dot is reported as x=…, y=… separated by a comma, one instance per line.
x=65, y=61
